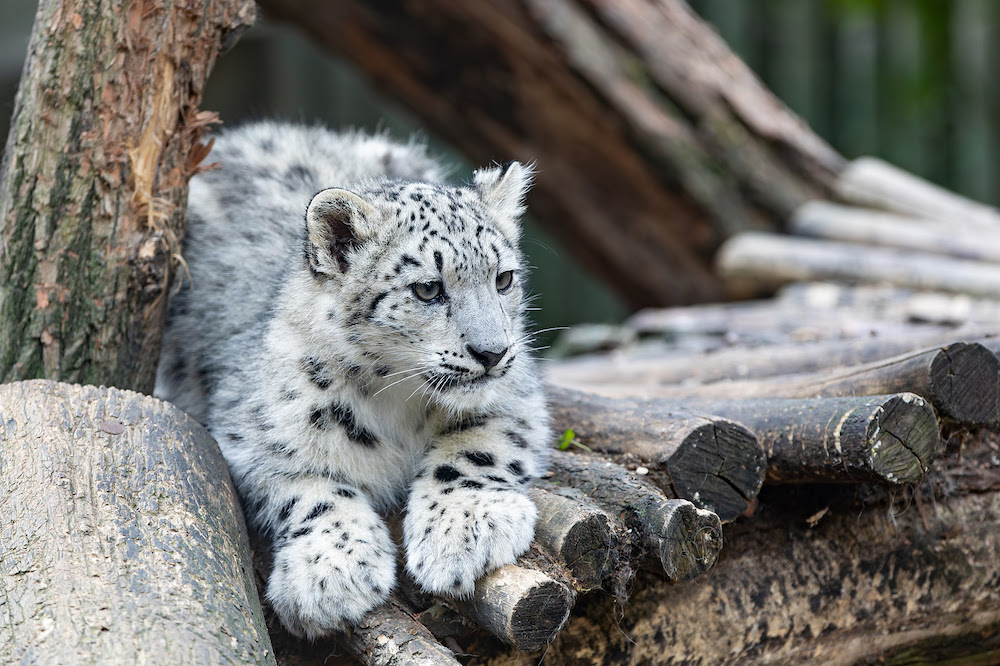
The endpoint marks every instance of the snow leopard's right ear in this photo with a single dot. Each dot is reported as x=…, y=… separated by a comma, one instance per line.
x=337, y=222
x=502, y=189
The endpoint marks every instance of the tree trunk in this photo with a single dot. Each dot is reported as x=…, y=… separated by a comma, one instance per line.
x=105, y=135
x=123, y=540
x=654, y=141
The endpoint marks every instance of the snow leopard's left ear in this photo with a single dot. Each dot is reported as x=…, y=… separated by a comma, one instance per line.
x=502, y=190
x=337, y=222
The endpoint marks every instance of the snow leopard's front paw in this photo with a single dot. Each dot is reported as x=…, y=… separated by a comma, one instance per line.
x=453, y=539
x=326, y=578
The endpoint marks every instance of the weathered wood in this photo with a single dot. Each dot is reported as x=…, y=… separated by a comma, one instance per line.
x=821, y=219
x=655, y=140
x=747, y=362
x=105, y=135
x=522, y=606
x=578, y=533
x=889, y=438
x=684, y=540
x=815, y=578
x=715, y=463
x=869, y=181
x=960, y=380
x=390, y=636
x=755, y=263
x=122, y=535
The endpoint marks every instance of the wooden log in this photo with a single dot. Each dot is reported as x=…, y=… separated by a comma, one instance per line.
x=869, y=181
x=888, y=439
x=122, y=535
x=959, y=380
x=390, y=636
x=754, y=263
x=821, y=219
x=743, y=362
x=684, y=540
x=816, y=578
x=715, y=463
x=521, y=605
x=578, y=533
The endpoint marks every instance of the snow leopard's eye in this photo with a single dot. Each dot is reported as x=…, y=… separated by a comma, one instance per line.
x=427, y=291
x=504, y=281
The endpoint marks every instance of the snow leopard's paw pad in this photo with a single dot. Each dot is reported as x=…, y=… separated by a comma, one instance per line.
x=326, y=578
x=451, y=540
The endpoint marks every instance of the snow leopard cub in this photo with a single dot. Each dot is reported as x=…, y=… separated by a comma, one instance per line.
x=356, y=348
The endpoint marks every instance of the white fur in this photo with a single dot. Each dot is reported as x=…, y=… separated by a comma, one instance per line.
x=332, y=389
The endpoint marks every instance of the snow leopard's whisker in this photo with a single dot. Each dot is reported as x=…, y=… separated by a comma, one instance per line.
x=399, y=381
x=419, y=368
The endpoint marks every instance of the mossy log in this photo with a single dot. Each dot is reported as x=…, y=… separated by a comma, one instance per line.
x=123, y=539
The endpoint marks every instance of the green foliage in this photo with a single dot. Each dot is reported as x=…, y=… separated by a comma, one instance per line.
x=568, y=439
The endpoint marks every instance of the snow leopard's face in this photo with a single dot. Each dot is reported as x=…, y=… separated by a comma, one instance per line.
x=430, y=282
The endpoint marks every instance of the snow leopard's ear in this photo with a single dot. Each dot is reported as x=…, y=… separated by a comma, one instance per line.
x=337, y=221
x=502, y=190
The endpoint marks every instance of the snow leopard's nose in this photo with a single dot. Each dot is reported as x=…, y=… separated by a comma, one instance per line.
x=487, y=358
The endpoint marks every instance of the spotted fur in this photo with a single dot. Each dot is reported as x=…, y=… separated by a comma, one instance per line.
x=336, y=392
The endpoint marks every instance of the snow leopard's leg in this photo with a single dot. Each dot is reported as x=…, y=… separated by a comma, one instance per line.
x=333, y=557
x=468, y=512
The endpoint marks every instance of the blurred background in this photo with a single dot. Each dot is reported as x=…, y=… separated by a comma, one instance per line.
x=912, y=81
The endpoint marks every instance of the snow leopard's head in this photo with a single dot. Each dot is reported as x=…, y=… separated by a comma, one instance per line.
x=428, y=282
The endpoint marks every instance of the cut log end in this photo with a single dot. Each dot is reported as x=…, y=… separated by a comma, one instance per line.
x=964, y=382
x=523, y=607
x=719, y=466
x=903, y=438
x=577, y=533
x=690, y=540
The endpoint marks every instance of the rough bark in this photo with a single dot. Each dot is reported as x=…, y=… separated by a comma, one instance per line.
x=654, y=140
x=888, y=439
x=820, y=577
x=756, y=263
x=960, y=380
x=682, y=540
x=390, y=636
x=105, y=135
x=714, y=462
x=122, y=536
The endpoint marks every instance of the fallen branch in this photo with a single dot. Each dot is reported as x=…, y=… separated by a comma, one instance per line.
x=683, y=540
x=578, y=533
x=390, y=636
x=960, y=381
x=754, y=263
x=889, y=438
x=715, y=463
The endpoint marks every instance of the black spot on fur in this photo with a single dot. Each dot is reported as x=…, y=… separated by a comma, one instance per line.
x=516, y=467
x=519, y=441
x=469, y=483
x=446, y=473
x=466, y=422
x=317, y=372
x=480, y=458
x=438, y=260
x=301, y=532
x=319, y=510
x=286, y=510
x=375, y=302
x=338, y=414
x=345, y=492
